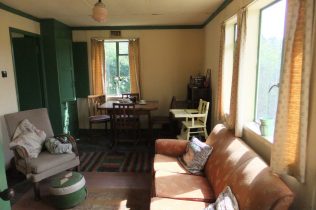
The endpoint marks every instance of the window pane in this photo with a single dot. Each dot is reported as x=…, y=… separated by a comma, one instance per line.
x=111, y=68
x=125, y=86
x=269, y=60
x=123, y=48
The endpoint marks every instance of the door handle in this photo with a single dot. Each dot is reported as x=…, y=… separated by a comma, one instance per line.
x=7, y=194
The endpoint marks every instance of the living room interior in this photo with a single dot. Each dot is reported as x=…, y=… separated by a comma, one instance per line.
x=177, y=43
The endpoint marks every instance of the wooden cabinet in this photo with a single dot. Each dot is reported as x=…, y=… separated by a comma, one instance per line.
x=59, y=74
x=195, y=94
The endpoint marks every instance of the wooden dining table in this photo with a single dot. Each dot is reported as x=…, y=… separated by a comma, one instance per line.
x=141, y=109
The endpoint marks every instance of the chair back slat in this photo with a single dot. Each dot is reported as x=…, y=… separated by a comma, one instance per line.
x=94, y=101
x=203, y=109
x=124, y=116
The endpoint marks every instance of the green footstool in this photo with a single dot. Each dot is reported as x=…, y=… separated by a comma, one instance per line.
x=68, y=190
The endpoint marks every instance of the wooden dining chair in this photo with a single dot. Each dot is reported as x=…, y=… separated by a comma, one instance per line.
x=97, y=116
x=124, y=119
x=131, y=96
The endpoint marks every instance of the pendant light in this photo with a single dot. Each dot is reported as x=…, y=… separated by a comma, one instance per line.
x=99, y=12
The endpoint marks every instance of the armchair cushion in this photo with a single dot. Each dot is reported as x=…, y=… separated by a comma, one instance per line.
x=46, y=161
x=29, y=137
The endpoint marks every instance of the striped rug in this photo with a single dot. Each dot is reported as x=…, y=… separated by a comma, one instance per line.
x=140, y=162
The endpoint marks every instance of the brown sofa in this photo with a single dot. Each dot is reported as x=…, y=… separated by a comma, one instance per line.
x=232, y=163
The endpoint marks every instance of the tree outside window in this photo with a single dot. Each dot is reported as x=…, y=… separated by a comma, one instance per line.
x=117, y=67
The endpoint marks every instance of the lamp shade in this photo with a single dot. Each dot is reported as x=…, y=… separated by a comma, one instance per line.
x=99, y=12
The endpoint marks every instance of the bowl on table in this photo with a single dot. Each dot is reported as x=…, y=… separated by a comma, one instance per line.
x=142, y=101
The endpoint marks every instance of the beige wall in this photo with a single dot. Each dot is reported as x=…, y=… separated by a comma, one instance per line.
x=168, y=59
x=8, y=102
x=306, y=193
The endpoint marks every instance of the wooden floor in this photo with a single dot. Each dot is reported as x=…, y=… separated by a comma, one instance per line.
x=97, y=182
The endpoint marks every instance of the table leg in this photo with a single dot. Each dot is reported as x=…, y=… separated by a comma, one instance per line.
x=150, y=128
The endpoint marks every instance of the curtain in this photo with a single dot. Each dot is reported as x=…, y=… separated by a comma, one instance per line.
x=288, y=155
x=220, y=76
x=98, y=66
x=234, y=120
x=133, y=51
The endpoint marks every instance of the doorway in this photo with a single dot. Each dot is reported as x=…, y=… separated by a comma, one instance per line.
x=28, y=65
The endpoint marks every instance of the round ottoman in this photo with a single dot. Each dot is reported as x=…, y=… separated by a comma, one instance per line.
x=68, y=190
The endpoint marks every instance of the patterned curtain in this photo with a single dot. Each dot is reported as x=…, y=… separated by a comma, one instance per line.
x=98, y=66
x=133, y=51
x=220, y=112
x=234, y=119
x=288, y=154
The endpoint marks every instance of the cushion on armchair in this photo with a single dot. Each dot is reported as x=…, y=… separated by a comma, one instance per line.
x=29, y=137
x=55, y=146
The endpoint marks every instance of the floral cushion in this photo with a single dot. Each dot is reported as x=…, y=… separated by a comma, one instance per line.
x=196, y=156
x=28, y=137
x=225, y=201
x=54, y=146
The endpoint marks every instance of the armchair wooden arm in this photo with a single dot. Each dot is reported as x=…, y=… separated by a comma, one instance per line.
x=21, y=154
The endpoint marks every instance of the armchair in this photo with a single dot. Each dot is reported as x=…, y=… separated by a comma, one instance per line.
x=46, y=164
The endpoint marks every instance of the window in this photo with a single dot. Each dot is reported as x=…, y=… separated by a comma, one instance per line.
x=229, y=49
x=271, y=32
x=117, y=67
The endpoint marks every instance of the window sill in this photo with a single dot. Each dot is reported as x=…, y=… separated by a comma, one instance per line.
x=254, y=128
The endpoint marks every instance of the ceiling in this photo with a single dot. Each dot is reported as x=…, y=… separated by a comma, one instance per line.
x=121, y=12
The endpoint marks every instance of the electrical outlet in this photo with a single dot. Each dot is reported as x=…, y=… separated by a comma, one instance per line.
x=4, y=74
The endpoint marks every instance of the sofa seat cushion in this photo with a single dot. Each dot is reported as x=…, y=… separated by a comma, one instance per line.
x=46, y=161
x=174, y=204
x=183, y=186
x=168, y=163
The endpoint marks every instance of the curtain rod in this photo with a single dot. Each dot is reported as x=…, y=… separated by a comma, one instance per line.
x=109, y=38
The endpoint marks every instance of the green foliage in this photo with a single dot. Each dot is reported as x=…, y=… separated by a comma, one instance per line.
x=117, y=68
x=270, y=57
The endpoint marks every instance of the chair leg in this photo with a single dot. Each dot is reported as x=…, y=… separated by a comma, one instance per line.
x=188, y=134
x=205, y=132
x=90, y=130
x=37, y=194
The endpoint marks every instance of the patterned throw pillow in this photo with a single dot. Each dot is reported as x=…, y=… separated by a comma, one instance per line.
x=54, y=146
x=196, y=156
x=225, y=201
x=28, y=137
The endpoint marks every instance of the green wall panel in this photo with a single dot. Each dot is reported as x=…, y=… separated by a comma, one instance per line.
x=4, y=205
x=81, y=69
x=57, y=44
x=27, y=71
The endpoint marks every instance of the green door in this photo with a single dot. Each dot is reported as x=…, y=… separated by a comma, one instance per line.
x=28, y=72
x=4, y=205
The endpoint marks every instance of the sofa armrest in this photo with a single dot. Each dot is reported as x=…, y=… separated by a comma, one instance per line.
x=170, y=147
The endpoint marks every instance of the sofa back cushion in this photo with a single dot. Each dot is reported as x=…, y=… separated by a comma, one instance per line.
x=232, y=163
